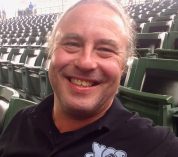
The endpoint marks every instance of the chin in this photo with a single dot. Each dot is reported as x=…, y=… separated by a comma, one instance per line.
x=81, y=112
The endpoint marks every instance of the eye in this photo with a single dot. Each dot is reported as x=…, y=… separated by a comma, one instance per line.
x=71, y=46
x=106, y=49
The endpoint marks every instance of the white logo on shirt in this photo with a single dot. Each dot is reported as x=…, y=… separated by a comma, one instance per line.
x=102, y=151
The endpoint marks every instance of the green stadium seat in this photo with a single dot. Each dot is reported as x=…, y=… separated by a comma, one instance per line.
x=17, y=61
x=5, y=57
x=33, y=58
x=6, y=95
x=15, y=105
x=45, y=85
x=171, y=41
x=30, y=77
x=147, y=40
x=150, y=89
x=158, y=26
x=154, y=106
x=175, y=24
x=166, y=53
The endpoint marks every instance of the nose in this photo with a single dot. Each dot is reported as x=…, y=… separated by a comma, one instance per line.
x=86, y=60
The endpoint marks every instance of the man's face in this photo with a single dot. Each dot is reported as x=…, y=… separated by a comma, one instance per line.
x=88, y=62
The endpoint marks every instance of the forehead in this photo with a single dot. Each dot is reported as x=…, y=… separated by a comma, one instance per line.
x=94, y=21
x=93, y=13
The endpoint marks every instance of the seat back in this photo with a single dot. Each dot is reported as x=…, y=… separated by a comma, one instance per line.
x=19, y=56
x=15, y=105
x=159, y=76
x=158, y=26
x=171, y=40
x=3, y=50
x=147, y=40
x=6, y=95
x=167, y=53
x=34, y=57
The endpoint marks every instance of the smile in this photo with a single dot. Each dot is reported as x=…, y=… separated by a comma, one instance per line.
x=81, y=83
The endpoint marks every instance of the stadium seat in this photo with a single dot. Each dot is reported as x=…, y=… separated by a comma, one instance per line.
x=5, y=57
x=175, y=25
x=3, y=53
x=32, y=58
x=13, y=42
x=46, y=88
x=144, y=68
x=169, y=11
x=17, y=61
x=150, y=88
x=154, y=106
x=6, y=95
x=4, y=65
x=37, y=82
x=30, y=75
x=30, y=41
x=148, y=42
x=158, y=26
x=171, y=40
x=15, y=105
x=166, y=53
x=163, y=18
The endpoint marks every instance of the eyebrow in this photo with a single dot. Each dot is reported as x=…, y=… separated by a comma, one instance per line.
x=71, y=36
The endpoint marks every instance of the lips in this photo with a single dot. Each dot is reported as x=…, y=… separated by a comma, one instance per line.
x=82, y=82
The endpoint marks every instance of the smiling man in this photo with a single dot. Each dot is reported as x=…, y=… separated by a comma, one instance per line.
x=89, y=48
x=86, y=64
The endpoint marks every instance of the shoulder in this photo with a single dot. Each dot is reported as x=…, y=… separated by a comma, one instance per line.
x=159, y=140
x=144, y=133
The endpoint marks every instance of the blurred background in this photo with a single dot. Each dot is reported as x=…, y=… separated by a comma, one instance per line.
x=13, y=8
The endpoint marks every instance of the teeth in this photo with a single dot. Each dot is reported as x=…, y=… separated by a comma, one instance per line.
x=81, y=83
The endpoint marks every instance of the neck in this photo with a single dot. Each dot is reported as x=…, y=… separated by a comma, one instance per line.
x=66, y=123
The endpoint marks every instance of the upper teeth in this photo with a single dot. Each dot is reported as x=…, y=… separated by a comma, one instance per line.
x=81, y=82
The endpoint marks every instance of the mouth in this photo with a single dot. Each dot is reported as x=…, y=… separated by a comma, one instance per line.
x=83, y=83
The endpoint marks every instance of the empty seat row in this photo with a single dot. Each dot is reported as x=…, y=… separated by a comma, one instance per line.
x=163, y=40
x=33, y=42
x=157, y=26
x=159, y=8
x=26, y=70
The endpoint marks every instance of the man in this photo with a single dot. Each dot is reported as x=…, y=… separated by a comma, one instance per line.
x=89, y=47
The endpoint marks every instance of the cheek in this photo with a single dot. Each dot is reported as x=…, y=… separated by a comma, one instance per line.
x=113, y=69
x=60, y=59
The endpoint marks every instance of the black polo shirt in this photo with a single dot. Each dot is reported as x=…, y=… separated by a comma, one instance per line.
x=119, y=133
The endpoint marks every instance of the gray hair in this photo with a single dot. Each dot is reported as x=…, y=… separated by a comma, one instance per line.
x=112, y=4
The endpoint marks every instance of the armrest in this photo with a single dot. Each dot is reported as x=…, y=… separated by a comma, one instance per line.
x=35, y=69
x=148, y=97
x=16, y=64
x=43, y=72
x=32, y=67
x=4, y=62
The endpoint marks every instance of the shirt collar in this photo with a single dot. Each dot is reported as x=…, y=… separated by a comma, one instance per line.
x=116, y=113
